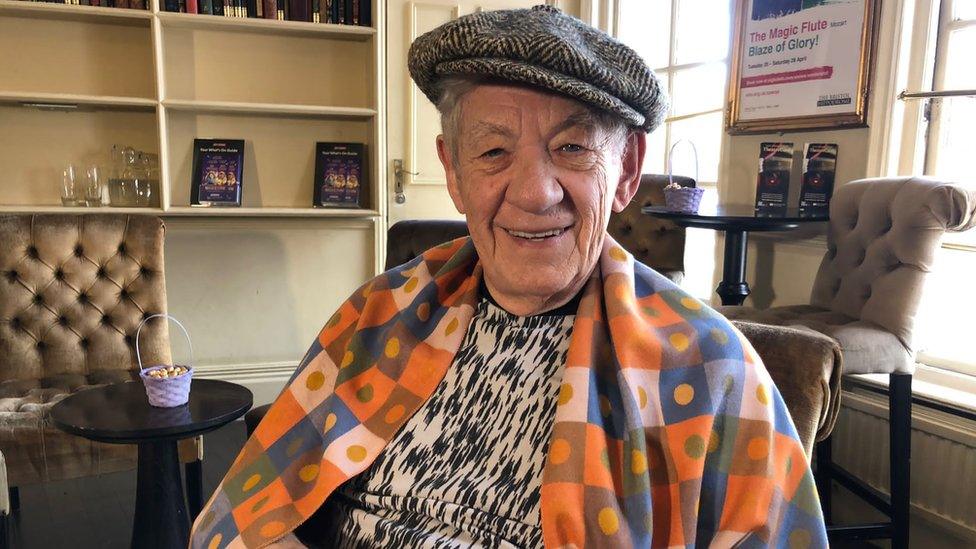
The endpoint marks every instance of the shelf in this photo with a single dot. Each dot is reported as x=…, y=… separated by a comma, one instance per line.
x=265, y=26
x=103, y=102
x=225, y=107
x=185, y=211
x=68, y=12
x=76, y=210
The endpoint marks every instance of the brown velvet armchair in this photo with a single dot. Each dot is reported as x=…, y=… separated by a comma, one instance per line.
x=73, y=290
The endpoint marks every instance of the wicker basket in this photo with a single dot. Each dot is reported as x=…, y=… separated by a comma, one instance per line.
x=166, y=392
x=685, y=199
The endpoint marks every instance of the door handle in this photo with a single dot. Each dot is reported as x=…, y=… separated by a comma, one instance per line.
x=398, y=196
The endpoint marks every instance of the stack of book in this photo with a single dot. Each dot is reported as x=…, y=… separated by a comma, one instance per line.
x=127, y=4
x=340, y=12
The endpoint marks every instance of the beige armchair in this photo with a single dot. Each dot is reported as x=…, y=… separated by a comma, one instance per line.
x=882, y=239
x=73, y=289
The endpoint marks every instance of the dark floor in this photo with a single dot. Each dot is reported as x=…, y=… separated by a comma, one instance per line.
x=96, y=512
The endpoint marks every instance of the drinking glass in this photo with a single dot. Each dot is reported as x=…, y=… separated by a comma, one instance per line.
x=71, y=191
x=93, y=186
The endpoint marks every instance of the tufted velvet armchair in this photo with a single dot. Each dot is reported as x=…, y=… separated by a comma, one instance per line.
x=73, y=289
x=882, y=239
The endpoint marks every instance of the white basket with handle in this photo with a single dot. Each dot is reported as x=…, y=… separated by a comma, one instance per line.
x=170, y=388
x=682, y=199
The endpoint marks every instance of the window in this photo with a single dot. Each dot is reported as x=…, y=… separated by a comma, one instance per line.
x=686, y=42
x=938, y=140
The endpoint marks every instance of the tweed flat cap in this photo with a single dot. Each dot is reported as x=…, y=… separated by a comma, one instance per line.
x=546, y=48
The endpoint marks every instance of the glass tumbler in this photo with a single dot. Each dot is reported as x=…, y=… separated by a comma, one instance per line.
x=93, y=186
x=71, y=191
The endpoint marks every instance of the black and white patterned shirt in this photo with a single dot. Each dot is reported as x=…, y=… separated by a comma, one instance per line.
x=466, y=469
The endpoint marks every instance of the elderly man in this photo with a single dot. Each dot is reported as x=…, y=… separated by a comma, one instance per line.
x=531, y=385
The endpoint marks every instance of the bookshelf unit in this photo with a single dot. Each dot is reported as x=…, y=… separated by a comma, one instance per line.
x=84, y=78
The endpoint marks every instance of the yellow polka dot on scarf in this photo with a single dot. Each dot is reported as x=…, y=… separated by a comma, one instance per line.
x=309, y=472
x=330, y=421
x=609, y=522
x=392, y=348
x=690, y=303
x=559, y=451
x=719, y=336
x=356, y=453
x=638, y=463
x=347, y=359
x=758, y=448
x=410, y=285
x=565, y=394
x=679, y=341
x=215, y=541
x=273, y=529
x=684, y=393
x=642, y=397
x=618, y=253
x=394, y=413
x=762, y=395
x=251, y=482
x=315, y=381
x=451, y=326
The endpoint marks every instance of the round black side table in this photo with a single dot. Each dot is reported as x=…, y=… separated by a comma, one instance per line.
x=738, y=221
x=121, y=414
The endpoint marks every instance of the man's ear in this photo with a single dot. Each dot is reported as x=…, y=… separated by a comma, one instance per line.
x=446, y=157
x=631, y=164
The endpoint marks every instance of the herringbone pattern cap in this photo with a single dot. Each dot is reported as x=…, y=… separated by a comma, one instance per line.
x=546, y=48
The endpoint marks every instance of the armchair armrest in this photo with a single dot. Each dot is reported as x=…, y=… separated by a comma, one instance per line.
x=806, y=368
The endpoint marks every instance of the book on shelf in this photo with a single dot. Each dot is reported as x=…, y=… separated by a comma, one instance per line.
x=340, y=12
x=819, y=167
x=339, y=175
x=218, y=172
x=773, y=185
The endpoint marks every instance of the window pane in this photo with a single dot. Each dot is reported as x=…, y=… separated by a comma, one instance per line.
x=706, y=133
x=955, y=141
x=941, y=322
x=702, y=30
x=656, y=150
x=698, y=89
x=963, y=9
x=959, y=63
x=645, y=25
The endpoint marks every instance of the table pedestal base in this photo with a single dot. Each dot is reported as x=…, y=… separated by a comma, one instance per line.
x=734, y=289
x=161, y=520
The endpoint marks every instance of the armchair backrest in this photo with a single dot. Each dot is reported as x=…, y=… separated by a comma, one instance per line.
x=657, y=243
x=73, y=290
x=882, y=240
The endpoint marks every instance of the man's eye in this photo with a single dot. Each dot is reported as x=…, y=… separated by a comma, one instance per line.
x=571, y=148
x=493, y=153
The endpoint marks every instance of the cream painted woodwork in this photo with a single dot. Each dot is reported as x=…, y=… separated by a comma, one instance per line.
x=413, y=121
x=84, y=78
x=252, y=284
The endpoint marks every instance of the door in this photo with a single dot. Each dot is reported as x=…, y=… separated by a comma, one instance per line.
x=412, y=122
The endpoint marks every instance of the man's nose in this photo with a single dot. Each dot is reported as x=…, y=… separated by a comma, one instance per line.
x=534, y=186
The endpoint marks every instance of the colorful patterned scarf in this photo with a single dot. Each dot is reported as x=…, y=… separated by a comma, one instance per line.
x=668, y=430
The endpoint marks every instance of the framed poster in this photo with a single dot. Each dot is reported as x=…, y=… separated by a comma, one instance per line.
x=800, y=64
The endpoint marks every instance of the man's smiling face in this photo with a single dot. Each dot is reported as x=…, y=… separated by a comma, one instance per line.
x=537, y=176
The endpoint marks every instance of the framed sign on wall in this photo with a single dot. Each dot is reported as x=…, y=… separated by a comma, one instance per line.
x=800, y=64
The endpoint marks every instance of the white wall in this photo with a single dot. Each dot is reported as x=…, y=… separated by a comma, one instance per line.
x=254, y=292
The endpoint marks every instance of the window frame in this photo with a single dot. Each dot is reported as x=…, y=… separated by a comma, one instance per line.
x=668, y=72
